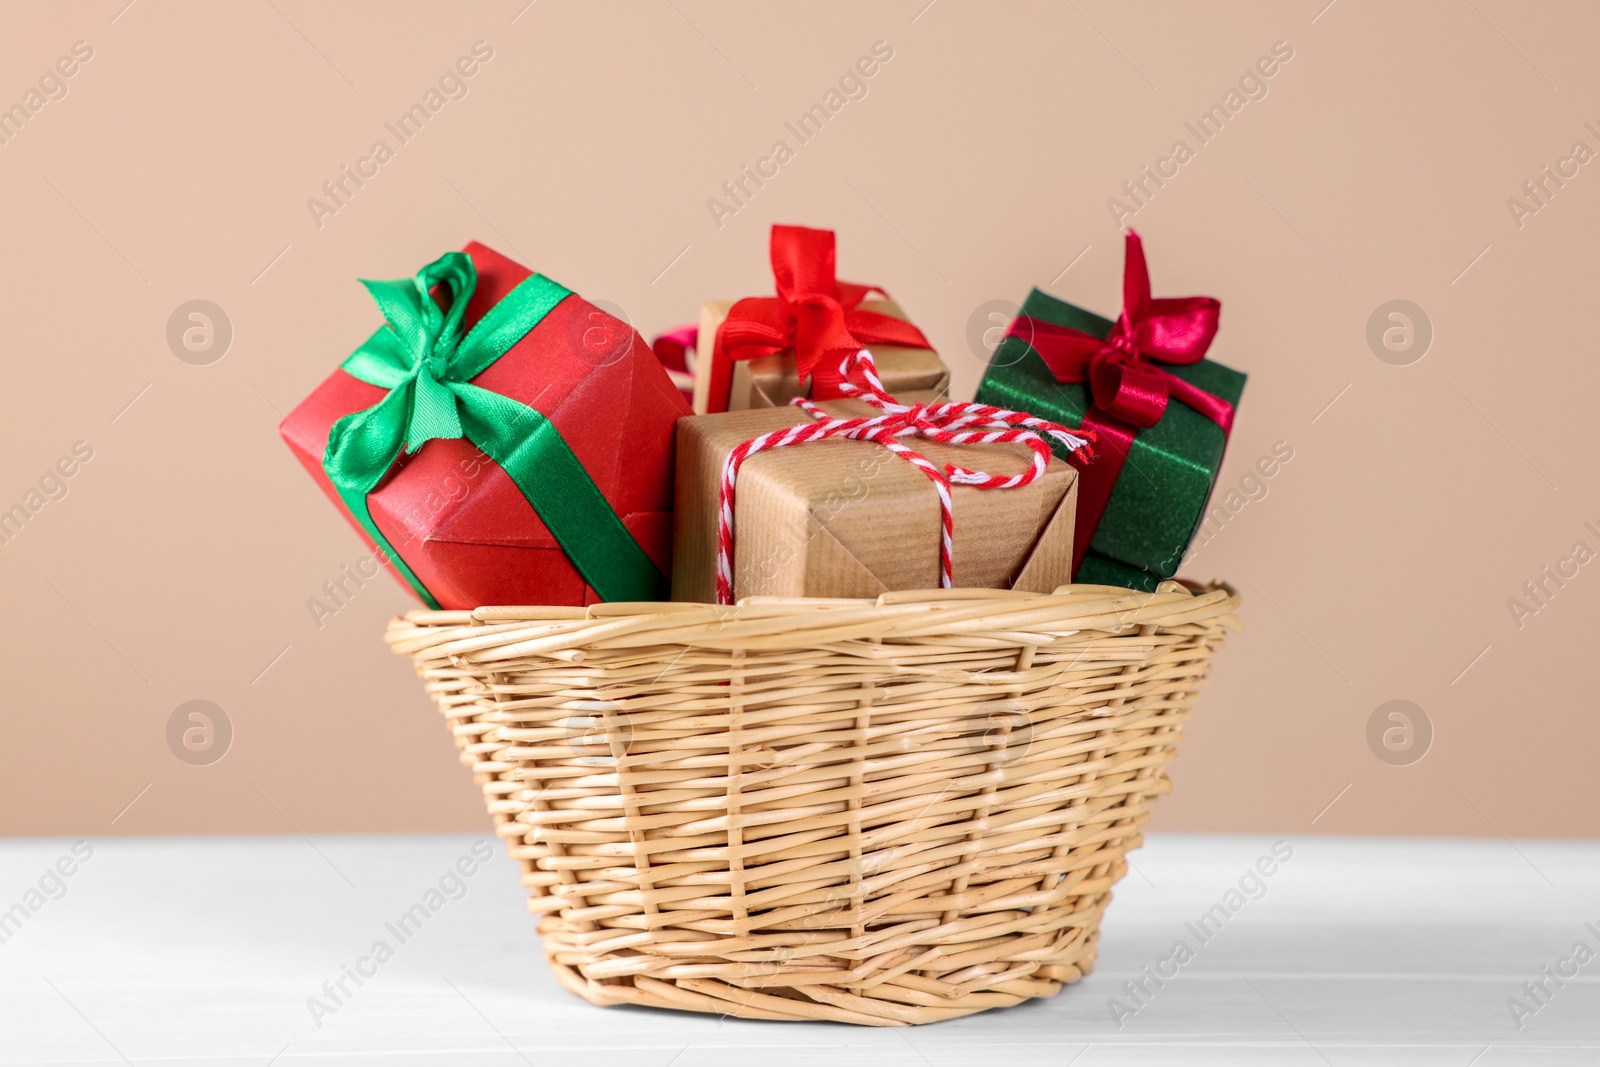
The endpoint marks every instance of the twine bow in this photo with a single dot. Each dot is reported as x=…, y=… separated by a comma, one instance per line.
x=814, y=313
x=949, y=422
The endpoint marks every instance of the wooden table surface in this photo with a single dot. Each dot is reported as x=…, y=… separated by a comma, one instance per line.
x=1353, y=951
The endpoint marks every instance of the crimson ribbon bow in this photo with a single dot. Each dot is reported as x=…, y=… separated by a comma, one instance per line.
x=814, y=313
x=1127, y=385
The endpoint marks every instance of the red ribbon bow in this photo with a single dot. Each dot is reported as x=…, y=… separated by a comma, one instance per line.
x=1128, y=386
x=814, y=313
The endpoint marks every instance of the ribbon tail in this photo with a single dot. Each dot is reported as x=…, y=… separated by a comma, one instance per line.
x=827, y=374
x=1212, y=407
x=1097, y=478
x=755, y=326
x=719, y=374
x=362, y=447
x=530, y=449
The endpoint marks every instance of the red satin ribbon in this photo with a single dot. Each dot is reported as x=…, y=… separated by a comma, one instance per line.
x=814, y=313
x=675, y=351
x=1128, y=388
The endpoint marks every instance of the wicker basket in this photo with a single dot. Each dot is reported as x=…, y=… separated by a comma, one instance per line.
x=886, y=812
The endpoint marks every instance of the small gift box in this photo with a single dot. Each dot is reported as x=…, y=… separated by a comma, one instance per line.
x=1159, y=413
x=766, y=351
x=499, y=441
x=857, y=512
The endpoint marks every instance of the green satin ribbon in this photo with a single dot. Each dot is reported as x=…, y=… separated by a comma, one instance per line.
x=427, y=365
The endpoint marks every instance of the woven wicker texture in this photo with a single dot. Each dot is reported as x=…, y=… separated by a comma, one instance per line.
x=885, y=812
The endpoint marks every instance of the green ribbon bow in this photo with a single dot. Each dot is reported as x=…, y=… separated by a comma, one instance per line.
x=427, y=365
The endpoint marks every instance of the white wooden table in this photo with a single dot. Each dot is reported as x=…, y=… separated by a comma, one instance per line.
x=207, y=950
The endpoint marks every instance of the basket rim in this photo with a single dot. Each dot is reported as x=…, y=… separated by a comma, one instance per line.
x=761, y=622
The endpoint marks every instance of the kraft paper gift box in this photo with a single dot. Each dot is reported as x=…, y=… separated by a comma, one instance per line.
x=529, y=463
x=765, y=351
x=841, y=518
x=1150, y=507
x=913, y=375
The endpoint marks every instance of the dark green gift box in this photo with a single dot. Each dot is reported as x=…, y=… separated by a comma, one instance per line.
x=1161, y=493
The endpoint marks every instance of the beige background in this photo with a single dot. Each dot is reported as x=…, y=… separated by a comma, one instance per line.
x=1377, y=167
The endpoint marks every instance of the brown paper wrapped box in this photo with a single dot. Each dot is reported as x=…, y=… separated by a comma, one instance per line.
x=838, y=518
x=913, y=375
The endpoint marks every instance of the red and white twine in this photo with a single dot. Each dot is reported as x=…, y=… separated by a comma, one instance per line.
x=949, y=422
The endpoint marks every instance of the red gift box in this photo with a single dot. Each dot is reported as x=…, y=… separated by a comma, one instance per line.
x=455, y=517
